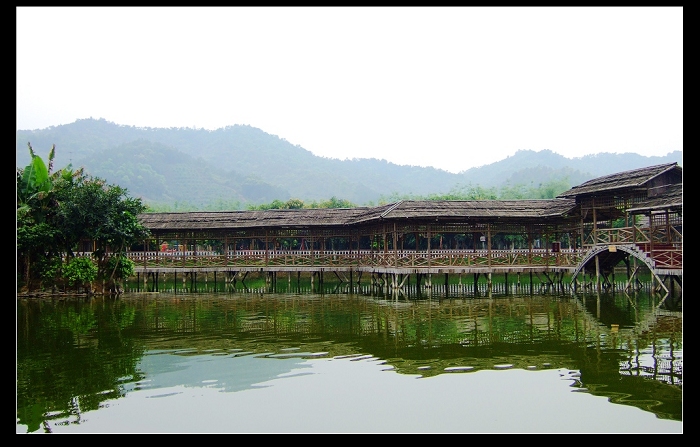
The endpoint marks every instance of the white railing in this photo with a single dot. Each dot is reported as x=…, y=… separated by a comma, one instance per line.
x=330, y=258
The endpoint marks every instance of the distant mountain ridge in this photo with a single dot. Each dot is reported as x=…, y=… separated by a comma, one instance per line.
x=240, y=165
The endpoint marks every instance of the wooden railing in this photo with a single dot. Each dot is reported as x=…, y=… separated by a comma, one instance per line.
x=633, y=235
x=624, y=235
x=664, y=244
x=665, y=255
x=361, y=258
x=667, y=258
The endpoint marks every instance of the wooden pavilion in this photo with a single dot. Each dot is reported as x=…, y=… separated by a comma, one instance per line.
x=637, y=213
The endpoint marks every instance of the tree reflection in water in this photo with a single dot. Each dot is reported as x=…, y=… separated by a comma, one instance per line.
x=77, y=355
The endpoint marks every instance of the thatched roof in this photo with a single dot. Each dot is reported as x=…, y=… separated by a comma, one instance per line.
x=446, y=210
x=442, y=210
x=671, y=199
x=458, y=211
x=621, y=180
x=284, y=218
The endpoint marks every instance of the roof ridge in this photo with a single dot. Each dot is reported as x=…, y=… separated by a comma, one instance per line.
x=390, y=209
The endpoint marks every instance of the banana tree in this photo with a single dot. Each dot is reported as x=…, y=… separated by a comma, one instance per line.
x=37, y=205
x=34, y=198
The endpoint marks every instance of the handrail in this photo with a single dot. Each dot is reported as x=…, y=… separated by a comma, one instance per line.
x=360, y=258
x=633, y=235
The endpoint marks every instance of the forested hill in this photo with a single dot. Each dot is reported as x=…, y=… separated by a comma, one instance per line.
x=238, y=166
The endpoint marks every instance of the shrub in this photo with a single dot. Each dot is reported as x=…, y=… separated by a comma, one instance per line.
x=79, y=271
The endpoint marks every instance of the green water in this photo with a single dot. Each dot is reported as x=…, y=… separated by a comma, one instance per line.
x=251, y=362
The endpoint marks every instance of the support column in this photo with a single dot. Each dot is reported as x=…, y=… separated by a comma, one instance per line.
x=396, y=248
x=488, y=246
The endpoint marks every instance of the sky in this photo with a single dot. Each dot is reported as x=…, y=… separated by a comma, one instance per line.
x=451, y=88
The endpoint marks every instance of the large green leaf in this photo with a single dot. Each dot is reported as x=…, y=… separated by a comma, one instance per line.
x=26, y=186
x=36, y=175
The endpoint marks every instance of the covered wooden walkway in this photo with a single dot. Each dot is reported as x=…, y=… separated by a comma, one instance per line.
x=635, y=215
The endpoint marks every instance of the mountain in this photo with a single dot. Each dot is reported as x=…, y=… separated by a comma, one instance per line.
x=237, y=166
x=162, y=174
x=528, y=166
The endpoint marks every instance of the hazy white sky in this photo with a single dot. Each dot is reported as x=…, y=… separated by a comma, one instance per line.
x=452, y=88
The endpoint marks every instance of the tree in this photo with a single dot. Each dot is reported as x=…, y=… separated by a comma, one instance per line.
x=36, y=203
x=294, y=204
x=103, y=214
x=80, y=271
x=121, y=268
x=58, y=210
x=335, y=202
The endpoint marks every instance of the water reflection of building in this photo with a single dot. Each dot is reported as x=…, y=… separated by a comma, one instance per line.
x=613, y=346
x=659, y=358
x=527, y=332
x=623, y=347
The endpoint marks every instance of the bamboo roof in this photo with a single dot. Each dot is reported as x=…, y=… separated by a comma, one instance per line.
x=277, y=218
x=461, y=211
x=479, y=209
x=621, y=180
x=441, y=210
x=671, y=199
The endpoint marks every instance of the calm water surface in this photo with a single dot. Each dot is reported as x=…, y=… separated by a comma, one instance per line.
x=350, y=363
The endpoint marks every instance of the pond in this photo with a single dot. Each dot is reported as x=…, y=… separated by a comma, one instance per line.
x=250, y=362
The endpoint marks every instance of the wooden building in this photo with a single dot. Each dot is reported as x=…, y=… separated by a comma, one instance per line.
x=634, y=215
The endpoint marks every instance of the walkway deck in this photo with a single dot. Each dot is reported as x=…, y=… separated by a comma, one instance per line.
x=399, y=262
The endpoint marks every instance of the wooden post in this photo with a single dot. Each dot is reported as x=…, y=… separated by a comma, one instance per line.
x=430, y=260
x=429, y=257
x=384, y=248
x=488, y=245
x=595, y=224
x=597, y=273
x=396, y=249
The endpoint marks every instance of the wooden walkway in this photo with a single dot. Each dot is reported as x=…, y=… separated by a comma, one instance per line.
x=396, y=267
x=400, y=261
x=634, y=217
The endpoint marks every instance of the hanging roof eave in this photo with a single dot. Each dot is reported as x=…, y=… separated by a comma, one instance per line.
x=621, y=181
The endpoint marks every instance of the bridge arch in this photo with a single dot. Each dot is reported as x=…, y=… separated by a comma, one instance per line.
x=609, y=256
